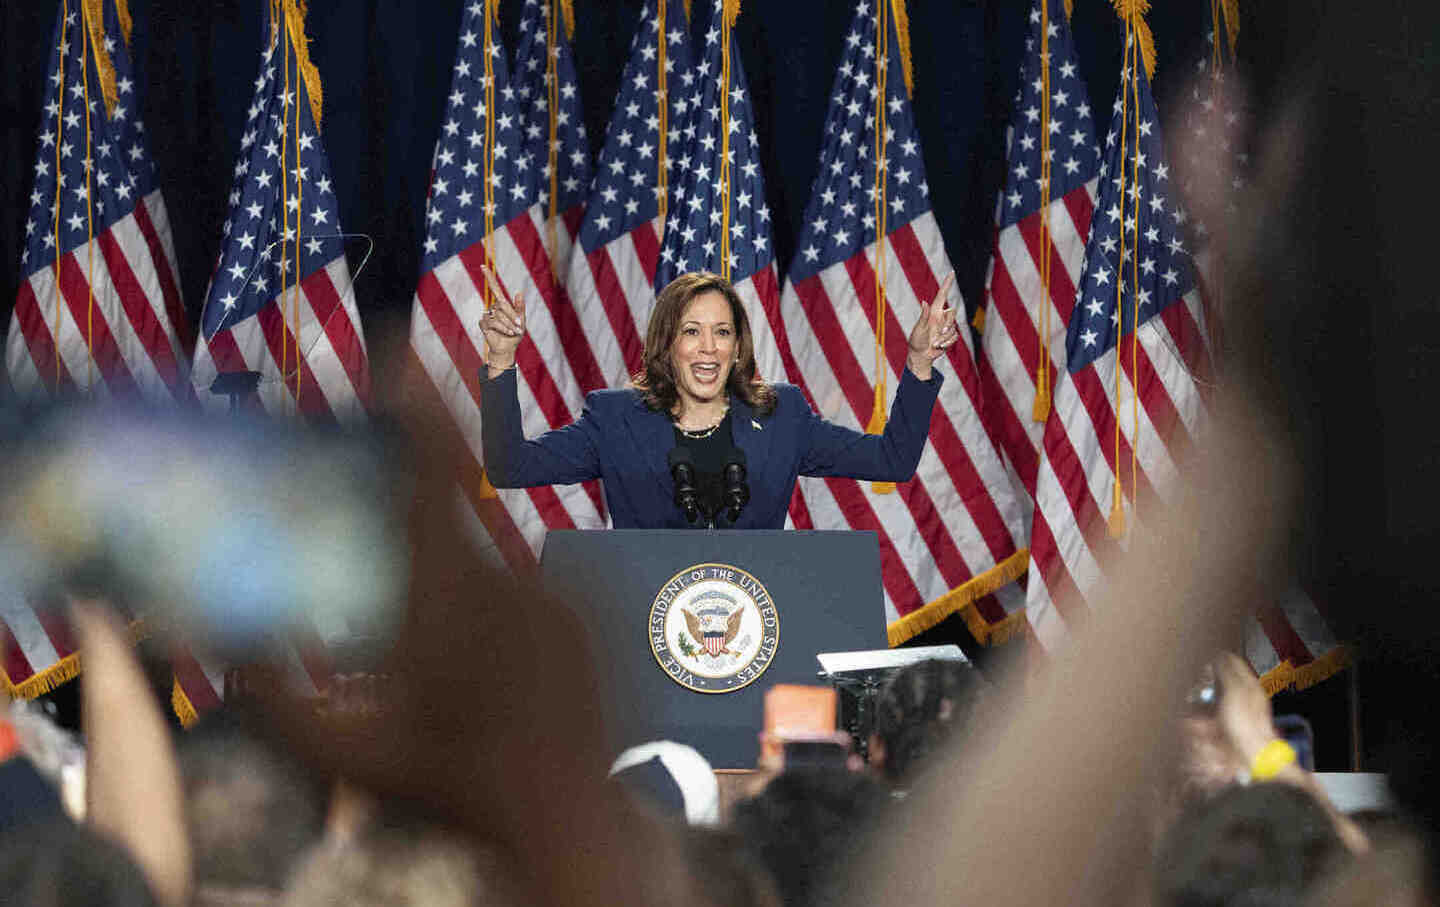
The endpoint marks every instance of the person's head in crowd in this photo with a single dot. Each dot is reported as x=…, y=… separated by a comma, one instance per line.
x=921, y=707
x=61, y=864
x=401, y=864
x=1258, y=844
x=250, y=810
x=805, y=824
x=725, y=872
x=672, y=777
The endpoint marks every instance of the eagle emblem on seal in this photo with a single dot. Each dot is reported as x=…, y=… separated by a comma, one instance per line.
x=714, y=627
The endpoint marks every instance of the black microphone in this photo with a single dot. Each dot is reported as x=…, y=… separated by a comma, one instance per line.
x=682, y=470
x=737, y=489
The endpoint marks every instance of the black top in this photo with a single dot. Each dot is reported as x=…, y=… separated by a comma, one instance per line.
x=709, y=454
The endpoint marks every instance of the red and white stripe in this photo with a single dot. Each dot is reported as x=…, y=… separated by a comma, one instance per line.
x=314, y=365
x=555, y=366
x=613, y=291
x=115, y=311
x=1011, y=342
x=1069, y=542
x=957, y=519
x=33, y=643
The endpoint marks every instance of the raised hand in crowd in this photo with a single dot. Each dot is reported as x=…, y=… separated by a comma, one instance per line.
x=133, y=791
x=1243, y=714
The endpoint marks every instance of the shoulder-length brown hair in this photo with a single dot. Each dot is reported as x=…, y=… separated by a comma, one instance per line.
x=657, y=382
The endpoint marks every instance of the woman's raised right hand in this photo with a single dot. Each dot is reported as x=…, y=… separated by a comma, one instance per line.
x=503, y=325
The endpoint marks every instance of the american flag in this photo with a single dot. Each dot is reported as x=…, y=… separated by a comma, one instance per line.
x=1130, y=399
x=612, y=278
x=134, y=321
x=281, y=301
x=718, y=221
x=951, y=536
x=492, y=173
x=1289, y=642
x=99, y=310
x=1208, y=127
x=1215, y=154
x=1051, y=115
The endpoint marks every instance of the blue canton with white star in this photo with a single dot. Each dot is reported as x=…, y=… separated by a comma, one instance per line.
x=1213, y=108
x=695, y=221
x=1074, y=155
x=624, y=193
x=840, y=216
x=1160, y=258
x=264, y=227
x=455, y=210
x=532, y=88
x=121, y=171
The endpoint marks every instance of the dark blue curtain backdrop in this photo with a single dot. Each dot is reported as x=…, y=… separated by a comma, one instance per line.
x=385, y=65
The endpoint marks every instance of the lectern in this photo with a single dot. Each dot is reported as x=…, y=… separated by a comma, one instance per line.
x=690, y=628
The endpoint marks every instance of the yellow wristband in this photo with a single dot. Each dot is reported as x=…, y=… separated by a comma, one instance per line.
x=1272, y=759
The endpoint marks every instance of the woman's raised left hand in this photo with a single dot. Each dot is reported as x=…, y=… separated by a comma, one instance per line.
x=934, y=332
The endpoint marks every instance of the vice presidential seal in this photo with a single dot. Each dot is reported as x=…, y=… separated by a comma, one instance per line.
x=714, y=628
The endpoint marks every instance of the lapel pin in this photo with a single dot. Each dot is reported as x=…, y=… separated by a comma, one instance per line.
x=755, y=425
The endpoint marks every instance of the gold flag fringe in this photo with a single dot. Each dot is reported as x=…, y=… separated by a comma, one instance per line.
x=962, y=599
x=48, y=680
x=902, y=29
x=567, y=9
x=182, y=706
x=295, y=12
x=1069, y=9
x=94, y=11
x=1231, y=11
x=977, y=321
x=1276, y=679
x=1286, y=676
x=61, y=672
x=996, y=634
x=1322, y=668
x=1014, y=626
x=1134, y=11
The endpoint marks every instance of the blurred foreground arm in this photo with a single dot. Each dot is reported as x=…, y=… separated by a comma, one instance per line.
x=1051, y=806
x=132, y=779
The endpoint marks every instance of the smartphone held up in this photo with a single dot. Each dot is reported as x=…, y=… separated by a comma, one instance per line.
x=227, y=531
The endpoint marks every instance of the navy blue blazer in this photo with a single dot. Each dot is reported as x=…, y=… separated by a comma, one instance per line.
x=625, y=444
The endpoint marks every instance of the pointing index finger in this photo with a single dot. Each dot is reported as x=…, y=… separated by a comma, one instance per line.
x=493, y=282
x=944, y=291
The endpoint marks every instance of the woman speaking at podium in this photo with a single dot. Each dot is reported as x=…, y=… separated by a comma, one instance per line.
x=698, y=438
